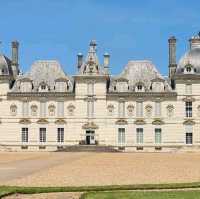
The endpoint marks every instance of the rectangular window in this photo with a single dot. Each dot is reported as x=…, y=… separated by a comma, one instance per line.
x=24, y=134
x=42, y=109
x=189, y=138
x=139, y=135
x=42, y=134
x=189, y=134
x=139, y=109
x=121, y=136
x=90, y=88
x=25, y=107
x=60, y=109
x=60, y=135
x=158, y=136
x=157, y=109
x=121, y=109
x=188, y=109
x=188, y=89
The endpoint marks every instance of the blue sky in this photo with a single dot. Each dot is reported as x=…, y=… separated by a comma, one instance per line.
x=127, y=29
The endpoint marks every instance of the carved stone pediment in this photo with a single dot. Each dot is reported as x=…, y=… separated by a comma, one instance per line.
x=42, y=121
x=121, y=122
x=189, y=122
x=157, y=121
x=60, y=121
x=90, y=125
x=188, y=99
x=140, y=121
x=24, y=121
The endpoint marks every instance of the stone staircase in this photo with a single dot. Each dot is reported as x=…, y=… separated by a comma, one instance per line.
x=87, y=148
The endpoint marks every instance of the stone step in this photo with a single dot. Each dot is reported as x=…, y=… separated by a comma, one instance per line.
x=87, y=148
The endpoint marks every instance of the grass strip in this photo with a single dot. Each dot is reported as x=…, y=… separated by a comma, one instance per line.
x=6, y=190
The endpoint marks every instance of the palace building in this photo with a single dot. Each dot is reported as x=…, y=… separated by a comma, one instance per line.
x=136, y=110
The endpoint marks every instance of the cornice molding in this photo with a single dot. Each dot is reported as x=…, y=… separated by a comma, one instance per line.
x=40, y=94
x=142, y=94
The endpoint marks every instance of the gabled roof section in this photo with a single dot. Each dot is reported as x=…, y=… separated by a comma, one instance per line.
x=91, y=66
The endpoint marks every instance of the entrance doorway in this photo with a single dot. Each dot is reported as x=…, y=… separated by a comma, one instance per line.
x=90, y=137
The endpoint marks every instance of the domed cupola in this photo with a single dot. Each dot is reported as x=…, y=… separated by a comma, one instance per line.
x=190, y=61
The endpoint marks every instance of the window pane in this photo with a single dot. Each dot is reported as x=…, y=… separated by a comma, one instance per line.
x=158, y=136
x=188, y=109
x=139, y=135
x=189, y=138
x=42, y=134
x=24, y=134
x=60, y=135
x=121, y=135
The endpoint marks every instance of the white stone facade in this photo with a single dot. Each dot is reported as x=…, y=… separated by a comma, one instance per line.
x=137, y=110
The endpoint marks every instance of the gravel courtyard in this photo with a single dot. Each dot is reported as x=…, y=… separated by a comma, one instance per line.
x=79, y=169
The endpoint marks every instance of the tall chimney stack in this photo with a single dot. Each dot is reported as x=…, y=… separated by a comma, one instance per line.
x=172, y=56
x=106, y=63
x=15, y=64
x=80, y=60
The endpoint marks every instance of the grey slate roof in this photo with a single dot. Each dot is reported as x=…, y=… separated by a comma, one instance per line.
x=191, y=57
x=44, y=71
x=142, y=71
x=5, y=65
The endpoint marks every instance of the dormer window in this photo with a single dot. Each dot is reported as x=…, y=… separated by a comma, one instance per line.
x=139, y=87
x=43, y=87
x=189, y=69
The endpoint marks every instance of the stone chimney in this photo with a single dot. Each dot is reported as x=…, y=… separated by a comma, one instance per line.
x=106, y=63
x=15, y=64
x=79, y=60
x=172, y=56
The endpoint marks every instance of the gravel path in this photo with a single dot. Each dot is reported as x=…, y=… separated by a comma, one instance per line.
x=80, y=169
x=68, y=195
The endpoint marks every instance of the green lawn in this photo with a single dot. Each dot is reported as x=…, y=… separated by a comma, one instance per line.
x=114, y=191
x=142, y=195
